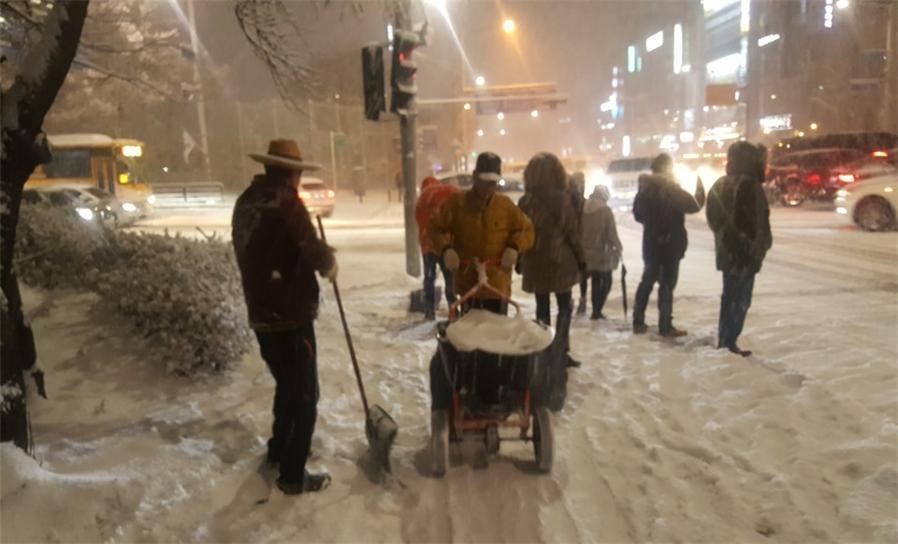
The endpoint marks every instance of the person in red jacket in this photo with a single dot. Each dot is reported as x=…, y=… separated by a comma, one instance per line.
x=278, y=253
x=433, y=195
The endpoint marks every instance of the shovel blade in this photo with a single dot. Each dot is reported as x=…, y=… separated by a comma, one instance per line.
x=381, y=431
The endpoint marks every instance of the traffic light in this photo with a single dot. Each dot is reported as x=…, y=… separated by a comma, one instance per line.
x=402, y=76
x=373, y=81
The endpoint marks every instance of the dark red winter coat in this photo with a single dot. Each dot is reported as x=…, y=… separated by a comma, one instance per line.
x=278, y=253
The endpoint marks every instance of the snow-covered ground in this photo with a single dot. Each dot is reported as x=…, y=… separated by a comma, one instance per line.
x=660, y=440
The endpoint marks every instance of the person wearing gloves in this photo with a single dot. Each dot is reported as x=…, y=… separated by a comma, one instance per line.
x=556, y=260
x=483, y=225
x=739, y=216
x=278, y=253
x=601, y=247
x=661, y=206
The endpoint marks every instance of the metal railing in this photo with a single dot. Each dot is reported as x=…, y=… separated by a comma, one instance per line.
x=198, y=193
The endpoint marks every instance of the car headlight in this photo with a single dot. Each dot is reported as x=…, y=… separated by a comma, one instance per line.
x=842, y=193
x=129, y=207
x=151, y=199
x=842, y=211
x=86, y=213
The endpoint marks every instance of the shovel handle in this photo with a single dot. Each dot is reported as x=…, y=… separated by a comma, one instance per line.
x=355, y=362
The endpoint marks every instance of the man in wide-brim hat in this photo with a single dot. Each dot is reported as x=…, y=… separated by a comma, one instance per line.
x=278, y=253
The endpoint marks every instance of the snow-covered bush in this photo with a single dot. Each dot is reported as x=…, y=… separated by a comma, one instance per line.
x=58, y=249
x=182, y=295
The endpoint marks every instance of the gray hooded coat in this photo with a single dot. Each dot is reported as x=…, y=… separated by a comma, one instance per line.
x=601, y=245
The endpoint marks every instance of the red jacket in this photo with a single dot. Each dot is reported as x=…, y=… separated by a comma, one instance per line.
x=433, y=195
x=278, y=253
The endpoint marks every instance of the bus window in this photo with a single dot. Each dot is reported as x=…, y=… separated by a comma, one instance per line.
x=69, y=163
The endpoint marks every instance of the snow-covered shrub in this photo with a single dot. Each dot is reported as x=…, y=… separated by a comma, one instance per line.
x=184, y=296
x=58, y=249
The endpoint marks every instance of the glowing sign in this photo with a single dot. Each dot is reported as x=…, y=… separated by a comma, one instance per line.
x=132, y=150
x=678, y=48
x=768, y=39
x=654, y=41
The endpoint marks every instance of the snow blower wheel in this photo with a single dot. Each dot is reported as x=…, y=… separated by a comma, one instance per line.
x=439, y=442
x=491, y=438
x=542, y=439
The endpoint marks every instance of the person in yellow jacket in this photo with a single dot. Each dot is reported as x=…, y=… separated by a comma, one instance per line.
x=483, y=225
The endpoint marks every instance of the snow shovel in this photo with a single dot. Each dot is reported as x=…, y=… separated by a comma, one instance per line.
x=380, y=428
x=623, y=286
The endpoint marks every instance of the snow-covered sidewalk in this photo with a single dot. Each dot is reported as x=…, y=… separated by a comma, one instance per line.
x=660, y=440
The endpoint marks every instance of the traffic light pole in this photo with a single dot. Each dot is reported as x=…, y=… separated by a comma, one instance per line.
x=407, y=141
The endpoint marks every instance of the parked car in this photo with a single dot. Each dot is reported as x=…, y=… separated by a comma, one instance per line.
x=462, y=180
x=112, y=209
x=317, y=196
x=622, y=180
x=872, y=204
x=64, y=198
x=814, y=174
x=512, y=185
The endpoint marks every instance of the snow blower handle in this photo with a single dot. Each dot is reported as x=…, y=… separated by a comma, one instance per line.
x=482, y=283
x=355, y=362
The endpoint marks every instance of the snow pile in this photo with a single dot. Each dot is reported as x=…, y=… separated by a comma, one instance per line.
x=494, y=333
x=183, y=295
x=81, y=507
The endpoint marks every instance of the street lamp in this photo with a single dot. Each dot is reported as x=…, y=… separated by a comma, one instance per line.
x=502, y=132
x=508, y=26
x=480, y=81
x=467, y=106
x=534, y=114
x=480, y=132
x=500, y=116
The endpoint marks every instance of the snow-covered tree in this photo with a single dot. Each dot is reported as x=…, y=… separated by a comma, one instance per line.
x=35, y=81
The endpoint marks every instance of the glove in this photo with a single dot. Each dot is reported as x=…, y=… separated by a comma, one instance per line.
x=451, y=259
x=509, y=258
x=331, y=273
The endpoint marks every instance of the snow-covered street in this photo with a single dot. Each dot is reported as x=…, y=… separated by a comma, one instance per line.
x=660, y=440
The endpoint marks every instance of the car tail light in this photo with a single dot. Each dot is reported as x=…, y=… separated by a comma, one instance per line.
x=331, y=193
x=881, y=154
x=305, y=195
x=813, y=179
x=846, y=178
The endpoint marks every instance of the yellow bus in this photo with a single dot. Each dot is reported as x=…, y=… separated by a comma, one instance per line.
x=96, y=160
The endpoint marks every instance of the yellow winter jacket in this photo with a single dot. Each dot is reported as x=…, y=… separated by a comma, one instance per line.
x=481, y=233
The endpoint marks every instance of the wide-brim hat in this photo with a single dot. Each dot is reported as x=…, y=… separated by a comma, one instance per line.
x=286, y=154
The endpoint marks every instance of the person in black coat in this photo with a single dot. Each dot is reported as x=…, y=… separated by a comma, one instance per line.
x=739, y=215
x=661, y=206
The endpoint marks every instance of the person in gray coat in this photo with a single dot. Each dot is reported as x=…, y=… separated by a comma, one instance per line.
x=601, y=247
x=554, y=263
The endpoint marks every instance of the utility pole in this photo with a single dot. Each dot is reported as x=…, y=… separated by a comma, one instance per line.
x=407, y=140
x=201, y=101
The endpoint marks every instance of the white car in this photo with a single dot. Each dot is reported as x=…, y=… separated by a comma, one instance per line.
x=622, y=180
x=113, y=210
x=872, y=204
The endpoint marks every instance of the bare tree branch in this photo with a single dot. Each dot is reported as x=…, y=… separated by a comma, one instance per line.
x=272, y=33
x=111, y=74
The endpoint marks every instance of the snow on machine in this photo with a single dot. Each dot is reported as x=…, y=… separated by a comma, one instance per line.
x=493, y=363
